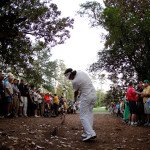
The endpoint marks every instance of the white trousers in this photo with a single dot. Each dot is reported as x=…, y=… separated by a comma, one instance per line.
x=86, y=113
x=25, y=104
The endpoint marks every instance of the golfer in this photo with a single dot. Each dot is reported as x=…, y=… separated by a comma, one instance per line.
x=82, y=85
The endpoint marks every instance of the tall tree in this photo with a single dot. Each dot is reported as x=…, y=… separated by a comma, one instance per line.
x=21, y=21
x=42, y=65
x=63, y=86
x=127, y=46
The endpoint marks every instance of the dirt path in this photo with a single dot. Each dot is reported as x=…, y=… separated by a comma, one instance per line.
x=35, y=133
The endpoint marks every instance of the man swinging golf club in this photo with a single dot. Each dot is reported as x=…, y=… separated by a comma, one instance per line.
x=82, y=84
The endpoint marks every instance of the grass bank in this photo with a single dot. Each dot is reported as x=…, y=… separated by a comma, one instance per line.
x=100, y=109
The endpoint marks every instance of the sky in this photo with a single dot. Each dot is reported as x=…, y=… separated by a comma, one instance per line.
x=80, y=50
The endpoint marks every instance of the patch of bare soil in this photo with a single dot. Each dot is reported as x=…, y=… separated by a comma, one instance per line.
x=36, y=133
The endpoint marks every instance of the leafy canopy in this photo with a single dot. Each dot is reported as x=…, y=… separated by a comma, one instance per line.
x=25, y=21
x=127, y=45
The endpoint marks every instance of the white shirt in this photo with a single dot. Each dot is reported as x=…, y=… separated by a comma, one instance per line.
x=83, y=83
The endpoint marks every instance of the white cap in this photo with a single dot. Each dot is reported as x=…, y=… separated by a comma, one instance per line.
x=10, y=75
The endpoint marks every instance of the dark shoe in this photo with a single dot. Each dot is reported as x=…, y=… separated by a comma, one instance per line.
x=88, y=138
x=93, y=137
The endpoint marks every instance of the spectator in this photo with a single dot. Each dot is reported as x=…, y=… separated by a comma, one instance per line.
x=56, y=104
x=140, y=105
x=8, y=94
x=40, y=103
x=34, y=98
x=2, y=95
x=24, y=98
x=111, y=108
x=132, y=99
x=121, y=108
x=61, y=101
x=48, y=100
x=16, y=97
x=126, y=113
x=48, y=109
x=146, y=94
x=118, y=109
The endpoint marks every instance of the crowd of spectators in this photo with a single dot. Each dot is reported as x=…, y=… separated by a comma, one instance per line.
x=134, y=108
x=20, y=99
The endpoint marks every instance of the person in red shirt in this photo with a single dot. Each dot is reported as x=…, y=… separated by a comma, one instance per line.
x=132, y=99
x=48, y=100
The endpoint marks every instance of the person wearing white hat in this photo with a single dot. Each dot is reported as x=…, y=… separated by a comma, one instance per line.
x=82, y=84
x=8, y=93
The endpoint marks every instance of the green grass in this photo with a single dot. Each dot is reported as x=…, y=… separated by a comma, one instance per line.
x=100, y=109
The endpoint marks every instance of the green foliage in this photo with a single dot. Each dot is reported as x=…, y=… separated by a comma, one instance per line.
x=127, y=46
x=100, y=98
x=21, y=21
x=114, y=95
x=64, y=86
x=42, y=64
x=70, y=91
x=49, y=88
x=92, y=10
